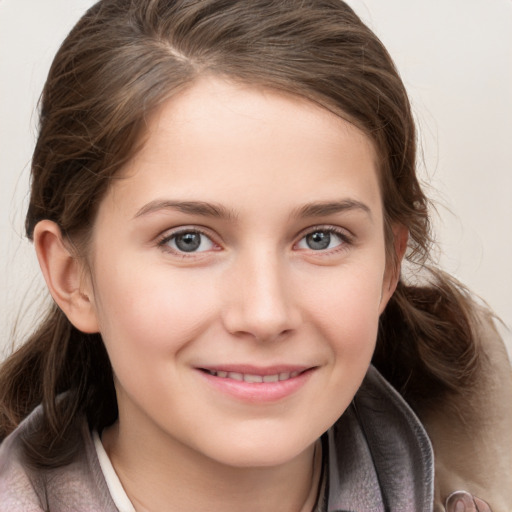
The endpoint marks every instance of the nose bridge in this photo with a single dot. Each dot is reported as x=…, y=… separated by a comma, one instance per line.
x=261, y=302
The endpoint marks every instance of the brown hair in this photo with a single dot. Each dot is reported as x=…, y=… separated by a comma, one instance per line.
x=123, y=59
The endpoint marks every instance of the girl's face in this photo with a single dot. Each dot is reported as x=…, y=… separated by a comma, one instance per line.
x=238, y=274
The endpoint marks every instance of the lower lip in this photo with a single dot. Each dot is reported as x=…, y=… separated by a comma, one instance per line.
x=258, y=392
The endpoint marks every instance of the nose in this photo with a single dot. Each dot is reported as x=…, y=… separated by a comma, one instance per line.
x=259, y=298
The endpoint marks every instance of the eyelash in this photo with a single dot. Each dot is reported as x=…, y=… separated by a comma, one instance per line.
x=345, y=238
x=168, y=237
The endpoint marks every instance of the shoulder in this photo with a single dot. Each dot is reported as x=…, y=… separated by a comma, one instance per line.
x=17, y=492
x=379, y=453
x=78, y=486
x=470, y=431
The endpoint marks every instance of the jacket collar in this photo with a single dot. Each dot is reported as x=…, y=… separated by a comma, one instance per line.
x=379, y=455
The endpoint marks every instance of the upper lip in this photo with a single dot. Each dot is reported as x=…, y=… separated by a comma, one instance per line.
x=256, y=370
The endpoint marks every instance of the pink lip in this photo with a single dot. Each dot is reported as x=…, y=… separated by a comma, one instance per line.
x=257, y=392
x=256, y=370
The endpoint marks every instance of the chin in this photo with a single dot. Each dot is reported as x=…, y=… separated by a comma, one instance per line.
x=250, y=452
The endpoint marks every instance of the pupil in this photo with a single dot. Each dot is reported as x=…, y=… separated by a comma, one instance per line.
x=318, y=240
x=188, y=242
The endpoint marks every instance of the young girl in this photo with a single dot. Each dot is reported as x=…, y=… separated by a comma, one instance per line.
x=222, y=197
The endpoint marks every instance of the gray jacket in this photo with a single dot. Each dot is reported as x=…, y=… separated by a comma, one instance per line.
x=379, y=459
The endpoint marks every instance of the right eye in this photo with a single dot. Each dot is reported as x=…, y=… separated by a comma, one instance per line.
x=187, y=241
x=324, y=239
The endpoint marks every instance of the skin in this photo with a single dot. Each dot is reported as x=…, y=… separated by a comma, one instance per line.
x=273, y=169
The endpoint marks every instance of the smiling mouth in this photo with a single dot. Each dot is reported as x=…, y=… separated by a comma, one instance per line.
x=258, y=385
x=253, y=378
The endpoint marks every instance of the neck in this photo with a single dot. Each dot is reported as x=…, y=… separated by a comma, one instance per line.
x=171, y=477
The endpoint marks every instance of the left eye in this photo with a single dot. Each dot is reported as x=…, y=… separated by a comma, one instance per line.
x=188, y=241
x=320, y=240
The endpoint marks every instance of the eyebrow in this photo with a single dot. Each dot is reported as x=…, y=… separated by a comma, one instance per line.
x=331, y=207
x=204, y=209
x=191, y=207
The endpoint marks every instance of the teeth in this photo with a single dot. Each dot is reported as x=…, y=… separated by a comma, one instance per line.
x=248, y=377
x=252, y=378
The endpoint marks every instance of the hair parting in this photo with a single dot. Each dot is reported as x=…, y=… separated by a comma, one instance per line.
x=121, y=61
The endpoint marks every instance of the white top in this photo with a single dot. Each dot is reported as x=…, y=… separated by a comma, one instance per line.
x=121, y=500
x=123, y=503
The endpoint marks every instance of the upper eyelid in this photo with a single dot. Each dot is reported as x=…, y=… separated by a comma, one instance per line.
x=347, y=239
x=163, y=240
x=172, y=232
x=168, y=234
x=325, y=227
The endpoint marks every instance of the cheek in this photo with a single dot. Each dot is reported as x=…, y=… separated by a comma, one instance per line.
x=346, y=310
x=150, y=311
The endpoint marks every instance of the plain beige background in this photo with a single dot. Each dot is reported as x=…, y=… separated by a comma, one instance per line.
x=455, y=57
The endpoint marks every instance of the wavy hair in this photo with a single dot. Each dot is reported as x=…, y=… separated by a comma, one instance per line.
x=120, y=62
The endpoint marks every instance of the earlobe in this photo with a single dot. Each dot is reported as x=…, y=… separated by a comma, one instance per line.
x=64, y=276
x=392, y=275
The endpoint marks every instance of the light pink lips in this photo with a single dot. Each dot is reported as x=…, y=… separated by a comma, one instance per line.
x=255, y=384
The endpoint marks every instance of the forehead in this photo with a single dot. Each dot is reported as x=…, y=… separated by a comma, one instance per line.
x=242, y=139
x=248, y=111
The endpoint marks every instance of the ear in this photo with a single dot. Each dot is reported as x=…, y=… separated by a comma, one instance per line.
x=65, y=277
x=392, y=273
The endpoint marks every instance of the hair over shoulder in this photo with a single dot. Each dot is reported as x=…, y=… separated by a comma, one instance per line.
x=121, y=61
